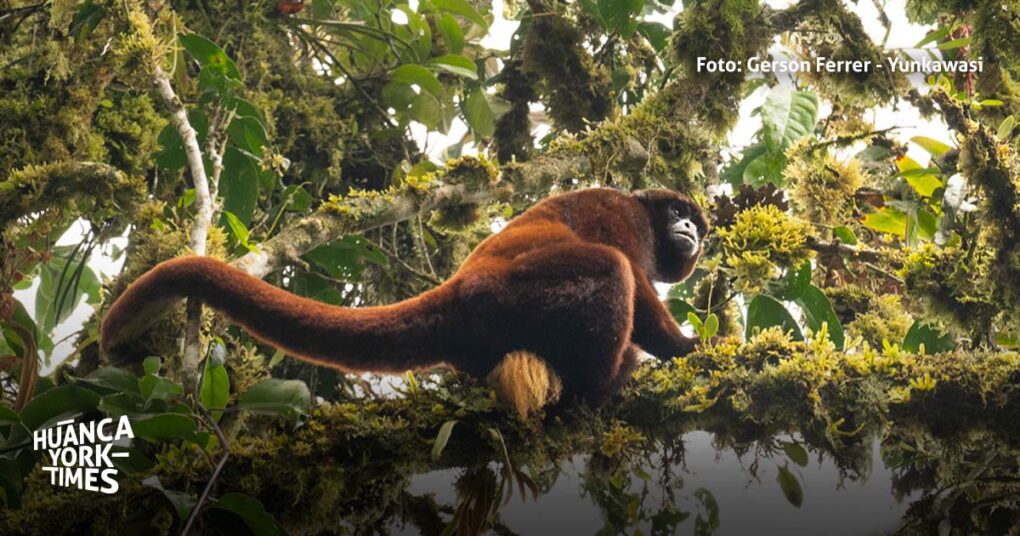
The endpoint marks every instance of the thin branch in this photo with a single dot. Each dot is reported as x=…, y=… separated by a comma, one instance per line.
x=216, y=471
x=203, y=219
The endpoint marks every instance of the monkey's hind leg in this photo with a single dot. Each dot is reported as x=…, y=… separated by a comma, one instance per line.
x=577, y=303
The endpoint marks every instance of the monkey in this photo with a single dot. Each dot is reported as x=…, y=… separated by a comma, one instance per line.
x=560, y=300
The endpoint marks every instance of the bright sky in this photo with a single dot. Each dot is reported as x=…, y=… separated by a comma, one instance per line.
x=903, y=35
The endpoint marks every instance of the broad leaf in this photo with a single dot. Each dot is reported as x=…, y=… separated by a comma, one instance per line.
x=458, y=65
x=787, y=116
x=276, y=397
x=765, y=312
x=252, y=512
x=934, y=341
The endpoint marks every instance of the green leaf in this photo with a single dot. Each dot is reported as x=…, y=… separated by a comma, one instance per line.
x=411, y=74
x=887, y=220
x=458, y=65
x=345, y=259
x=239, y=183
x=134, y=462
x=787, y=116
x=252, y=512
x=765, y=312
x=934, y=147
x=818, y=311
x=462, y=8
x=208, y=54
x=656, y=34
x=182, y=502
x=679, y=309
x=797, y=281
x=1005, y=129
x=796, y=453
x=955, y=43
x=165, y=426
x=917, y=176
x=479, y=115
x=58, y=402
x=115, y=379
x=451, y=32
x=620, y=15
x=711, y=326
x=215, y=388
x=696, y=322
x=934, y=341
x=427, y=110
x=88, y=16
x=933, y=36
x=238, y=229
x=276, y=397
x=442, y=438
x=845, y=235
x=790, y=486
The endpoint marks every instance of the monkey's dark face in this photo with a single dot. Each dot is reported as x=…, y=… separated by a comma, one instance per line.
x=680, y=227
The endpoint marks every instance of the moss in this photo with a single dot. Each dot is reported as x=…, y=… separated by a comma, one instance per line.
x=950, y=284
x=513, y=139
x=718, y=30
x=761, y=243
x=821, y=187
x=884, y=321
x=129, y=126
x=578, y=90
x=834, y=32
x=94, y=191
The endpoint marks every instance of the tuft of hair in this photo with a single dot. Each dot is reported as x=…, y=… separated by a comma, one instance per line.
x=525, y=382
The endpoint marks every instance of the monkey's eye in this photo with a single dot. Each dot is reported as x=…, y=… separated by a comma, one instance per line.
x=677, y=211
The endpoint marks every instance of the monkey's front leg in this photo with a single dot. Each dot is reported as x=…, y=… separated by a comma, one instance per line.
x=655, y=330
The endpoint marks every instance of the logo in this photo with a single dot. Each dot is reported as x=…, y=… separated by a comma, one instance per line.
x=80, y=454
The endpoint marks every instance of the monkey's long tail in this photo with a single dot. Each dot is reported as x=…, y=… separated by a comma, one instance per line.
x=392, y=338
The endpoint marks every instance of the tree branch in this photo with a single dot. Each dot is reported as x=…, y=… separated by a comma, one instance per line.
x=200, y=228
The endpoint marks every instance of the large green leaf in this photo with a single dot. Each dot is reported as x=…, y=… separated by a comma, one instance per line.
x=215, y=388
x=165, y=426
x=462, y=8
x=479, y=115
x=252, y=512
x=60, y=401
x=412, y=74
x=818, y=311
x=765, y=312
x=182, y=502
x=276, y=397
x=458, y=65
x=620, y=16
x=787, y=116
x=887, y=220
x=920, y=178
x=934, y=341
x=209, y=54
x=239, y=183
x=451, y=32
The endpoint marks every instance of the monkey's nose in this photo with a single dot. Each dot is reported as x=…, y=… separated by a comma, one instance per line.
x=688, y=226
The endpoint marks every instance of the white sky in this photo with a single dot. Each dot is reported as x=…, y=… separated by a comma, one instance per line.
x=903, y=35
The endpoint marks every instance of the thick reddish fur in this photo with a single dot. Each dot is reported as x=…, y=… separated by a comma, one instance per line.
x=568, y=280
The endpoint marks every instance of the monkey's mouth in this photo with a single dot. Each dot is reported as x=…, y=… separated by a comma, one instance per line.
x=687, y=236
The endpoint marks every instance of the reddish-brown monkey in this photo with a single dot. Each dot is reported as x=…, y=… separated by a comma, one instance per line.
x=568, y=280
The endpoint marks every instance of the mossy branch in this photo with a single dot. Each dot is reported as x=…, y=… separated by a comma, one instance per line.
x=92, y=189
x=465, y=181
